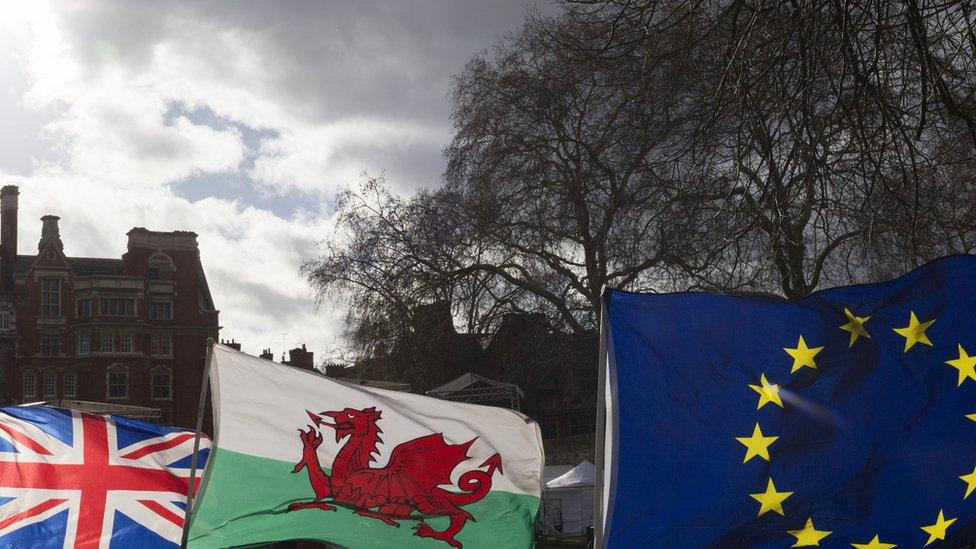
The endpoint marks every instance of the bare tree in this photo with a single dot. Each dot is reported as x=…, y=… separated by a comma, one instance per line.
x=659, y=146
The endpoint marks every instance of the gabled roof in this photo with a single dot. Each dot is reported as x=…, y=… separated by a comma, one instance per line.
x=471, y=380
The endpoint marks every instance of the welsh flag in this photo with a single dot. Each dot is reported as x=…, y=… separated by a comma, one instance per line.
x=297, y=455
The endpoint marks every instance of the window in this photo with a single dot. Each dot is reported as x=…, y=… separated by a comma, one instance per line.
x=50, y=297
x=161, y=345
x=50, y=345
x=160, y=268
x=125, y=342
x=4, y=320
x=50, y=384
x=70, y=384
x=83, y=309
x=162, y=384
x=84, y=343
x=161, y=310
x=107, y=342
x=117, y=306
x=118, y=382
x=30, y=385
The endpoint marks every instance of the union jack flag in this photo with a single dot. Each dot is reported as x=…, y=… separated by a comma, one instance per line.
x=71, y=479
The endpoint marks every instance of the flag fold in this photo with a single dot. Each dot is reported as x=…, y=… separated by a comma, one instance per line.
x=298, y=455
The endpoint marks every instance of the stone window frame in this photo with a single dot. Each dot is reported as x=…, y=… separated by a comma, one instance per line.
x=126, y=336
x=83, y=312
x=50, y=299
x=121, y=305
x=49, y=374
x=33, y=384
x=106, y=336
x=50, y=344
x=154, y=315
x=159, y=261
x=161, y=369
x=82, y=336
x=73, y=376
x=116, y=368
x=156, y=347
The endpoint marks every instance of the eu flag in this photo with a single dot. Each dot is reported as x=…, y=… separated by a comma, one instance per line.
x=846, y=419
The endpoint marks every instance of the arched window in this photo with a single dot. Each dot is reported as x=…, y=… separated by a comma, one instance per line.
x=49, y=384
x=160, y=267
x=30, y=385
x=117, y=381
x=161, y=381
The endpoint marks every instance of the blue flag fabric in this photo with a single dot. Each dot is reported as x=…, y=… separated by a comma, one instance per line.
x=844, y=419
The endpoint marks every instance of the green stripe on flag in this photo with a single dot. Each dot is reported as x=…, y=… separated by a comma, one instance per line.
x=247, y=498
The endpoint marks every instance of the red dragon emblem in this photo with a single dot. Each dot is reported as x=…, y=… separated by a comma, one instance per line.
x=407, y=488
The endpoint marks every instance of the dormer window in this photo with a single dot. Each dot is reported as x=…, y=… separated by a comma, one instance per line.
x=160, y=268
x=4, y=321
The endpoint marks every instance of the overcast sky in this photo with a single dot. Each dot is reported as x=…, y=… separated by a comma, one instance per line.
x=236, y=120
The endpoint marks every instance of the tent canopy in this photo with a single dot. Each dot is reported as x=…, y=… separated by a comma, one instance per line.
x=550, y=472
x=577, y=477
x=472, y=380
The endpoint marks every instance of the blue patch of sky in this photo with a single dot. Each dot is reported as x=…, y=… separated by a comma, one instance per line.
x=236, y=185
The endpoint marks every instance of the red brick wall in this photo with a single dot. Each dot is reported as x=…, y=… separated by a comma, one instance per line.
x=190, y=328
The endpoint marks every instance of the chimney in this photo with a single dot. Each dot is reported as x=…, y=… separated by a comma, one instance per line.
x=267, y=354
x=50, y=232
x=301, y=358
x=233, y=344
x=8, y=230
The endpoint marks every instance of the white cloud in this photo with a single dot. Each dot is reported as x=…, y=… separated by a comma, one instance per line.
x=331, y=88
x=299, y=158
x=250, y=256
x=118, y=154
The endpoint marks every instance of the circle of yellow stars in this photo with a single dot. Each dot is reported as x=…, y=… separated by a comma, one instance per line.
x=804, y=356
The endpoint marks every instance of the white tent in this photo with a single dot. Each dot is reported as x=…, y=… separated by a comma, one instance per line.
x=568, y=501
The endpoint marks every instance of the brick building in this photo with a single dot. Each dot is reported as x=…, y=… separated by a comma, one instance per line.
x=556, y=371
x=129, y=331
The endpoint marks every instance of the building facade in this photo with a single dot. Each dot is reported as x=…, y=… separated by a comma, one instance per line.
x=129, y=331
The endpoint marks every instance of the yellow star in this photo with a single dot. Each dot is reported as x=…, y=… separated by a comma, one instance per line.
x=767, y=392
x=855, y=325
x=770, y=500
x=809, y=536
x=965, y=364
x=915, y=332
x=972, y=416
x=757, y=444
x=970, y=481
x=938, y=530
x=874, y=544
x=803, y=355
